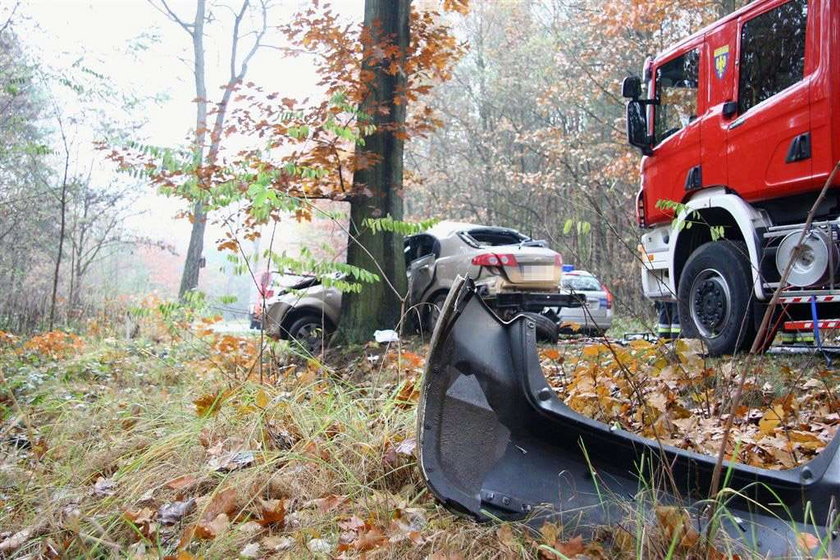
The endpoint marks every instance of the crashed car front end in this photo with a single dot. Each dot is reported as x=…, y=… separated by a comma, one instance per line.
x=496, y=442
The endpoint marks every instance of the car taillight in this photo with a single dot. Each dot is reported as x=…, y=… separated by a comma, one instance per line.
x=491, y=259
x=609, y=297
x=558, y=260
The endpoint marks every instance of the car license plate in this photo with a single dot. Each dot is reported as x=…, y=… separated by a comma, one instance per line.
x=538, y=273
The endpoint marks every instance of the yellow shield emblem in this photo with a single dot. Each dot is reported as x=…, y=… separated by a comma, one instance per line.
x=721, y=60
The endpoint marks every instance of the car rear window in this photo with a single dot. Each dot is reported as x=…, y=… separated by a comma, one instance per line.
x=581, y=283
x=494, y=237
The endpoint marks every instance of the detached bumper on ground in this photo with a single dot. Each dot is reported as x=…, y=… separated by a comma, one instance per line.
x=496, y=442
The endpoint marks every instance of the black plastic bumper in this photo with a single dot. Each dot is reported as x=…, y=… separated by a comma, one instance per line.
x=495, y=441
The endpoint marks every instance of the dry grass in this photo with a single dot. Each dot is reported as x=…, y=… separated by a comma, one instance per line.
x=110, y=434
x=98, y=441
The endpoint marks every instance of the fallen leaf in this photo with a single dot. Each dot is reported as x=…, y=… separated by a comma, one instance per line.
x=171, y=513
x=142, y=519
x=250, y=527
x=104, y=487
x=251, y=550
x=232, y=461
x=210, y=403
x=272, y=512
x=16, y=541
x=550, y=532
x=353, y=523
x=277, y=544
x=563, y=549
x=261, y=399
x=406, y=446
x=675, y=524
x=505, y=535
x=181, y=482
x=226, y=501
x=143, y=515
x=209, y=530
x=551, y=354
x=327, y=503
x=370, y=539
x=771, y=420
x=319, y=546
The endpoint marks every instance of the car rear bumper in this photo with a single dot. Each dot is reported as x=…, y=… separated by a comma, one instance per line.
x=532, y=301
x=496, y=442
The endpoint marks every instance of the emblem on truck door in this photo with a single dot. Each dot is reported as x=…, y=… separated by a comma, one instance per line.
x=721, y=60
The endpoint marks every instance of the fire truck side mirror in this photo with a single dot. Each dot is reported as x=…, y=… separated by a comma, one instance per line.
x=637, y=134
x=631, y=87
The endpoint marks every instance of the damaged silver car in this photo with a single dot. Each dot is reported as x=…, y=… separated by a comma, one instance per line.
x=497, y=443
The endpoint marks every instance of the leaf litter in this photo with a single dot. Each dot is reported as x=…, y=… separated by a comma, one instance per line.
x=675, y=395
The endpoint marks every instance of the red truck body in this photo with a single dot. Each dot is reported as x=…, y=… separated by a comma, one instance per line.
x=740, y=131
x=747, y=151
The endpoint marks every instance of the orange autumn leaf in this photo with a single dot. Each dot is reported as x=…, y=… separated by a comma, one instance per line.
x=226, y=501
x=210, y=403
x=272, y=512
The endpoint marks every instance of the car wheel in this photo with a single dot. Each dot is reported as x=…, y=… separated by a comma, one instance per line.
x=714, y=297
x=546, y=328
x=433, y=314
x=309, y=332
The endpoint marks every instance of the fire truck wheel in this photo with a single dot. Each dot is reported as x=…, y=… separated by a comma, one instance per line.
x=714, y=297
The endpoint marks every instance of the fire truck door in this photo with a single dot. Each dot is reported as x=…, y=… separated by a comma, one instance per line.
x=718, y=85
x=674, y=166
x=768, y=148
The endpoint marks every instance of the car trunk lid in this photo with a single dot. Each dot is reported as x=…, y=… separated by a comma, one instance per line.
x=523, y=266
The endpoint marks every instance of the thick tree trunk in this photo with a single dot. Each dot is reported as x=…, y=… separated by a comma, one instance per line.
x=378, y=306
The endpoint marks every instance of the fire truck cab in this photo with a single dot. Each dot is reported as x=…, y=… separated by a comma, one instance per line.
x=739, y=131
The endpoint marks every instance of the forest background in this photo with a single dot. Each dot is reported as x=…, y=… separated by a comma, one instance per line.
x=526, y=132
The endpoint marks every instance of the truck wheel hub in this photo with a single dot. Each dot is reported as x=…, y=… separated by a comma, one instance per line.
x=709, y=302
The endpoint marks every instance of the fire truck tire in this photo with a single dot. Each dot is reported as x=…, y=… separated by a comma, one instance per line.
x=714, y=296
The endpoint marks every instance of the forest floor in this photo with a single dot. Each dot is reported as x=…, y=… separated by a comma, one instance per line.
x=180, y=444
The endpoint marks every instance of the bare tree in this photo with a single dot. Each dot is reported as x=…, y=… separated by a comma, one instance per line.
x=96, y=231
x=238, y=68
x=62, y=205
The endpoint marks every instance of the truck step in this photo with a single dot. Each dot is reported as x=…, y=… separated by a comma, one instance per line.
x=807, y=299
x=809, y=325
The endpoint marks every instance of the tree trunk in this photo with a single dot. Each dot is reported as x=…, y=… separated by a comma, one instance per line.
x=378, y=305
x=189, y=278
x=62, y=226
x=192, y=264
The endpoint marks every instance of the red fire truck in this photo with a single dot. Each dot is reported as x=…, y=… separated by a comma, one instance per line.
x=740, y=129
